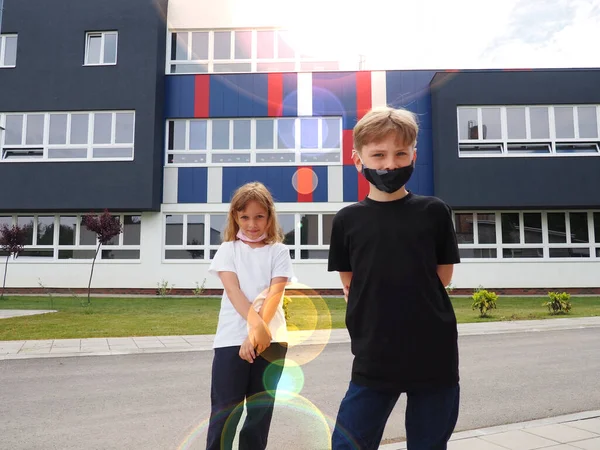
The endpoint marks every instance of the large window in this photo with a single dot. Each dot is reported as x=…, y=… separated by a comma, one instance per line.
x=8, y=50
x=281, y=141
x=242, y=50
x=64, y=237
x=196, y=236
x=72, y=136
x=514, y=235
x=101, y=48
x=541, y=130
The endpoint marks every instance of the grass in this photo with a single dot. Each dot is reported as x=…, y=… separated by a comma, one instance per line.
x=162, y=316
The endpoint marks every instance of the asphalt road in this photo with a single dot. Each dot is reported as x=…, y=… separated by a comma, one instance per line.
x=161, y=401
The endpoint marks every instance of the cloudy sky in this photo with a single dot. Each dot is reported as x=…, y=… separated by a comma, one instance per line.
x=436, y=34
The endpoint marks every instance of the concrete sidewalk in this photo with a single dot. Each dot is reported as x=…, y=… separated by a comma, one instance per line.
x=570, y=432
x=161, y=344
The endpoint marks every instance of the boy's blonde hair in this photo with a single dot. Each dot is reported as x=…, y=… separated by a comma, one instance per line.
x=378, y=123
x=257, y=192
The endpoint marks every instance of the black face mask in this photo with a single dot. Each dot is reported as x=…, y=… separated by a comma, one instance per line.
x=388, y=180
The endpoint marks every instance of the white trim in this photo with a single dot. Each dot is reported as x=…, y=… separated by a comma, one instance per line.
x=335, y=184
x=294, y=64
x=305, y=94
x=46, y=147
x=102, y=35
x=378, y=89
x=215, y=185
x=230, y=156
x=170, y=184
x=499, y=147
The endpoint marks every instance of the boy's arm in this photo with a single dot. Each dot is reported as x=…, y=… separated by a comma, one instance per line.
x=446, y=247
x=346, y=278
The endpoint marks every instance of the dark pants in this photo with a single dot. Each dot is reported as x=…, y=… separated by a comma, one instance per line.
x=431, y=416
x=235, y=380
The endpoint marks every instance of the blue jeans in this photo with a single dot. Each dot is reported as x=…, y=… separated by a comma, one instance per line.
x=431, y=416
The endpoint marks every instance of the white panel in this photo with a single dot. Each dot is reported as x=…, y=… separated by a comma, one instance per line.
x=378, y=89
x=215, y=185
x=305, y=95
x=170, y=182
x=335, y=186
x=195, y=14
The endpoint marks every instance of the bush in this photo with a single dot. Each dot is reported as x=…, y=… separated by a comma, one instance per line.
x=286, y=301
x=484, y=300
x=559, y=303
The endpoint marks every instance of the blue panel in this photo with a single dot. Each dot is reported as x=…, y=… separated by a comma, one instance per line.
x=335, y=94
x=186, y=95
x=277, y=179
x=260, y=99
x=407, y=88
x=171, y=97
x=426, y=179
x=424, y=148
x=192, y=185
x=424, y=111
x=290, y=95
x=246, y=98
x=320, y=194
x=229, y=183
x=283, y=189
x=216, y=107
x=350, y=181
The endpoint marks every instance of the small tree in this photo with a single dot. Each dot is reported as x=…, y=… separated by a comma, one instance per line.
x=106, y=226
x=12, y=241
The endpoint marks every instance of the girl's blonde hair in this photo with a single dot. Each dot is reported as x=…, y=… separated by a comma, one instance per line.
x=257, y=192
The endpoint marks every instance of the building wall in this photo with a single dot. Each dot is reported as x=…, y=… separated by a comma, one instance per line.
x=50, y=76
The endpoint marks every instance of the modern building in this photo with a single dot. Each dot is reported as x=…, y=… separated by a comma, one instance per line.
x=159, y=110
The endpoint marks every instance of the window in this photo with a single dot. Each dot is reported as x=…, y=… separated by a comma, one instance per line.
x=559, y=130
x=514, y=235
x=242, y=50
x=196, y=236
x=64, y=237
x=8, y=50
x=281, y=141
x=67, y=136
x=101, y=48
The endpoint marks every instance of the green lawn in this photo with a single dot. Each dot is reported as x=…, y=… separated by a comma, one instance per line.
x=161, y=316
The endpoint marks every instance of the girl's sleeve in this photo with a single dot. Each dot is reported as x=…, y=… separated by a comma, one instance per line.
x=282, y=264
x=223, y=260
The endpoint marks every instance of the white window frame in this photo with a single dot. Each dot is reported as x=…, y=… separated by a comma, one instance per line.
x=252, y=152
x=56, y=247
x=46, y=146
x=102, y=35
x=296, y=248
x=3, y=38
x=545, y=245
x=552, y=141
x=299, y=61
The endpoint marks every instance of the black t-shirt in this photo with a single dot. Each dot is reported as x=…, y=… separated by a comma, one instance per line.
x=400, y=319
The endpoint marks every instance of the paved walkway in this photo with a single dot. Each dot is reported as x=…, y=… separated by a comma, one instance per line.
x=571, y=432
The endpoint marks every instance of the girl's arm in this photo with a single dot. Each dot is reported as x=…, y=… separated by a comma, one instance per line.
x=239, y=301
x=273, y=298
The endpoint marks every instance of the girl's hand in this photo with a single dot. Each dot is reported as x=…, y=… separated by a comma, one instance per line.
x=247, y=352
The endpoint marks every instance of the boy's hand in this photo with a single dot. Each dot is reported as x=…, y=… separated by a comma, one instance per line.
x=346, y=291
x=247, y=352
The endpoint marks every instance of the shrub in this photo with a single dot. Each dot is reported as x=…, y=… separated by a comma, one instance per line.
x=12, y=241
x=484, y=300
x=559, y=303
x=286, y=301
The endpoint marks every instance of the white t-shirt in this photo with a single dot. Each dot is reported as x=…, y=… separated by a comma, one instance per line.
x=255, y=268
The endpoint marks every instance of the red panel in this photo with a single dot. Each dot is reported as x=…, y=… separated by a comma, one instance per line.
x=304, y=183
x=363, y=187
x=201, y=95
x=363, y=93
x=275, y=94
x=347, y=145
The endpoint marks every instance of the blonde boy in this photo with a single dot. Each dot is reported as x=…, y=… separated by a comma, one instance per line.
x=395, y=252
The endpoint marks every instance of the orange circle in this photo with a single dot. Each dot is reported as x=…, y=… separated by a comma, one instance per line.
x=305, y=180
